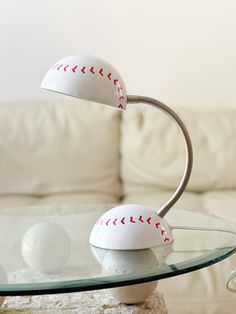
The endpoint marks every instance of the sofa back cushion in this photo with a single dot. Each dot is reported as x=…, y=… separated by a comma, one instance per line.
x=153, y=153
x=55, y=147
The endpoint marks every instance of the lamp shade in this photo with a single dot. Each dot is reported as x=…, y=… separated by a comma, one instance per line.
x=88, y=78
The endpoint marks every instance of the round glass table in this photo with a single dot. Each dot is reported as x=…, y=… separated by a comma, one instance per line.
x=89, y=268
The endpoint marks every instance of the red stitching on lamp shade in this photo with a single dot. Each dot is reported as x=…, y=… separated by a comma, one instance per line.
x=74, y=68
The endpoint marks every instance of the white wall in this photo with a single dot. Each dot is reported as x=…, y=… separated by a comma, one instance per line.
x=179, y=51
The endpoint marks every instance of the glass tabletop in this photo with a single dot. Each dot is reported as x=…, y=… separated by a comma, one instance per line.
x=88, y=268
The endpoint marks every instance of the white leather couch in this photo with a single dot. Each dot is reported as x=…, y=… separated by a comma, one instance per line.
x=74, y=152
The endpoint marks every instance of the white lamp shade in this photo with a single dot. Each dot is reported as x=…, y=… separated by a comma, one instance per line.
x=89, y=78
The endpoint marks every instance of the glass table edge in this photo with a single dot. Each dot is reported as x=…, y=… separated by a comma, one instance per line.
x=79, y=285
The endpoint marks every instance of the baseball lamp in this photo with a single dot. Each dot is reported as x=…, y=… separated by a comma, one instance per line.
x=124, y=227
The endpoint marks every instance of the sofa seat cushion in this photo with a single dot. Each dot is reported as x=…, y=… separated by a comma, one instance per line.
x=59, y=147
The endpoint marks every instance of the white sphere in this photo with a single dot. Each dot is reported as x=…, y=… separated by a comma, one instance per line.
x=127, y=262
x=135, y=293
x=98, y=253
x=46, y=247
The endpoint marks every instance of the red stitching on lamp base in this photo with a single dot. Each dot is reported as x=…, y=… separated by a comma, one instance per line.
x=58, y=68
x=92, y=70
x=133, y=220
x=141, y=219
x=74, y=68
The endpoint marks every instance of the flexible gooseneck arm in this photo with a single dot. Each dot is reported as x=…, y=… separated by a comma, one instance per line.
x=188, y=146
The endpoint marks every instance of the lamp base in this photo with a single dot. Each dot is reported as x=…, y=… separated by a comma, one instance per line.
x=135, y=293
x=130, y=227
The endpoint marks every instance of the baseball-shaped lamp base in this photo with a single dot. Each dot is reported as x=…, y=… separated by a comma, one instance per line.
x=135, y=293
x=130, y=227
x=127, y=262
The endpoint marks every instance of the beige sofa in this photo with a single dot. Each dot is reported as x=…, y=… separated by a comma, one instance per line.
x=72, y=152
